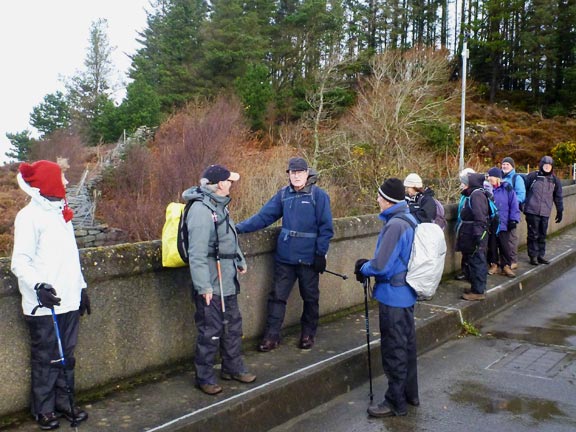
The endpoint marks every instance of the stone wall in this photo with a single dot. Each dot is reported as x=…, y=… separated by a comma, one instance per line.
x=142, y=314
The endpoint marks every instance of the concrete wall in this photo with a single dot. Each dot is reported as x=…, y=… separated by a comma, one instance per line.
x=142, y=315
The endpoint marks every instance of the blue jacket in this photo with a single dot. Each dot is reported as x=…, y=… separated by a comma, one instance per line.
x=517, y=183
x=306, y=223
x=507, y=203
x=391, y=257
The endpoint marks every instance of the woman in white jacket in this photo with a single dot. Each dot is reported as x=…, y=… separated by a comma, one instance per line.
x=46, y=262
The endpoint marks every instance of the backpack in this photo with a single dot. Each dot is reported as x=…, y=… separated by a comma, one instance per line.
x=440, y=219
x=493, y=222
x=426, y=263
x=175, y=234
x=523, y=177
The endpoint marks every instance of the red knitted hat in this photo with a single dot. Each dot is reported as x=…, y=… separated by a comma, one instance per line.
x=46, y=176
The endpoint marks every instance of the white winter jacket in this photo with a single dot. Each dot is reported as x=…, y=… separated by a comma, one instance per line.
x=45, y=250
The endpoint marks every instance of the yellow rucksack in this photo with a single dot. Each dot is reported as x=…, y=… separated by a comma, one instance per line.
x=170, y=235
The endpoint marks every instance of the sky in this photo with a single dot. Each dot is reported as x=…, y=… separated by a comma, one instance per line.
x=43, y=41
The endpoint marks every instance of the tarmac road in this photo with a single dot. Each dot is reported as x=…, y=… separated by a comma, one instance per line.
x=519, y=375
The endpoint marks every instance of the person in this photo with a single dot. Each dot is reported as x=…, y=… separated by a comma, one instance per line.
x=544, y=190
x=215, y=259
x=420, y=200
x=301, y=250
x=463, y=176
x=472, y=238
x=46, y=262
x=499, y=256
x=511, y=177
x=396, y=301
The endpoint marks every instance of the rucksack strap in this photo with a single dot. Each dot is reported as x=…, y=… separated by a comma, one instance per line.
x=399, y=279
x=291, y=233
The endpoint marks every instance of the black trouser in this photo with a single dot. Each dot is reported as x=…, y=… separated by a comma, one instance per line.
x=285, y=276
x=499, y=249
x=213, y=334
x=537, y=228
x=477, y=267
x=398, y=345
x=48, y=380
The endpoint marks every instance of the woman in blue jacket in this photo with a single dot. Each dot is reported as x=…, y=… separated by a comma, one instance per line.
x=499, y=253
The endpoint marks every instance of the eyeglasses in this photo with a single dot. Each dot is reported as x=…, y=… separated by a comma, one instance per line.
x=297, y=173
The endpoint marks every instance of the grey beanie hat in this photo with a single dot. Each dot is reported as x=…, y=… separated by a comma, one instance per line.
x=509, y=160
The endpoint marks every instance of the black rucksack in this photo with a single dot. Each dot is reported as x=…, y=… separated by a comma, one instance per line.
x=493, y=222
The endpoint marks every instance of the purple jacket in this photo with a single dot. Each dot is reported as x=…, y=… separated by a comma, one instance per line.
x=507, y=203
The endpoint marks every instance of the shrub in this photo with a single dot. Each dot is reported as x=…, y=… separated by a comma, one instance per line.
x=564, y=154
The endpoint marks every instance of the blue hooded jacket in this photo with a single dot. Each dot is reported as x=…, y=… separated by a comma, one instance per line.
x=306, y=223
x=517, y=183
x=391, y=257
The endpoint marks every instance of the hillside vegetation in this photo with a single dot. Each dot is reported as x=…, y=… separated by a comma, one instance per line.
x=134, y=195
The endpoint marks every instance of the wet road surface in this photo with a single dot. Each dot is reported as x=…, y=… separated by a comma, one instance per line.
x=519, y=375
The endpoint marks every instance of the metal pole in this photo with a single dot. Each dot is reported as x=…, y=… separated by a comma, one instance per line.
x=463, y=106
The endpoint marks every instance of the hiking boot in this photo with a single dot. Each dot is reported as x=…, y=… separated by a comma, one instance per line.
x=472, y=296
x=306, y=342
x=79, y=414
x=414, y=402
x=543, y=260
x=514, y=266
x=534, y=261
x=267, y=345
x=47, y=421
x=383, y=410
x=210, y=389
x=243, y=377
x=507, y=271
x=467, y=290
x=493, y=269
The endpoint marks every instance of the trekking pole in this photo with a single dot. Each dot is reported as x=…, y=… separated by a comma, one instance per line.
x=366, y=284
x=343, y=276
x=219, y=270
x=62, y=360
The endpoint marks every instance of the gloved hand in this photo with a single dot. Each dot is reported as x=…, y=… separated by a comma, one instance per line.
x=319, y=263
x=46, y=295
x=359, y=263
x=512, y=225
x=558, y=217
x=84, y=303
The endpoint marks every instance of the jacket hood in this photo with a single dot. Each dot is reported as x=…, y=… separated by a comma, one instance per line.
x=203, y=194
x=475, y=180
x=34, y=193
x=192, y=193
x=543, y=161
x=312, y=177
x=398, y=208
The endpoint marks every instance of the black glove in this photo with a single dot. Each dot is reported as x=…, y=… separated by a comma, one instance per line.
x=46, y=295
x=319, y=263
x=359, y=263
x=512, y=225
x=558, y=217
x=84, y=303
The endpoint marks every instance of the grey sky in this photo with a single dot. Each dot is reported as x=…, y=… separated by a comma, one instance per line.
x=42, y=41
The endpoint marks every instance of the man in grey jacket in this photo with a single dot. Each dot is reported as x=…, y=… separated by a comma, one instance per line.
x=544, y=190
x=215, y=259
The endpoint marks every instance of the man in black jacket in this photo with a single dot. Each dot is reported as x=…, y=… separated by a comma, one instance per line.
x=543, y=189
x=473, y=214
